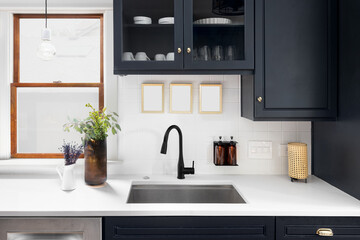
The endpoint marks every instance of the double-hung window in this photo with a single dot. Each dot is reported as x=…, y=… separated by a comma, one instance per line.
x=45, y=94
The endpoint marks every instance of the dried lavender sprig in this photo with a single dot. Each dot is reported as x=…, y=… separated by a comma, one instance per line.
x=71, y=151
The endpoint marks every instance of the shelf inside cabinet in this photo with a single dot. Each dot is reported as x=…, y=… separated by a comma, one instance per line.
x=142, y=26
x=220, y=35
x=218, y=25
x=150, y=38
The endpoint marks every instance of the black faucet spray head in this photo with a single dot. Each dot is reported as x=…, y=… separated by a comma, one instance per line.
x=163, y=147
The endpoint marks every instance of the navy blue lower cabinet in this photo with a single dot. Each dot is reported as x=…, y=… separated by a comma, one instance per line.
x=192, y=228
x=312, y=228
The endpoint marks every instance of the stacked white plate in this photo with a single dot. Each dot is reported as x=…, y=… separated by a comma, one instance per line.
x=213, y=21
x=142, y=20
x=166, y=20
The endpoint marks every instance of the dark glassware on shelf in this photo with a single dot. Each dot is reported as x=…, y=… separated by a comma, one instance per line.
x=95, y=162
x=230, y=53
x=195, y=54
x=219, y=38
x=218, y=53
x=205, y=53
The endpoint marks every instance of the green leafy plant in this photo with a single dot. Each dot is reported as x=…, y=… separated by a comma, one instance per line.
x=96, y=126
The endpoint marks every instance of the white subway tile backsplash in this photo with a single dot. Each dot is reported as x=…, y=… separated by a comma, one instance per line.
x=261, y=136
x=230, y=95
x=276, y=166
x=142, y=134
x=231, y=111
x=245, y=124
x=217, y=78
x=275, y=137
x=231, y=81
x=288, y=126
x=274, y=126
x=288, y=137
x=304, y=126
x=304, y=137
x=260, y=126
x=130, y=96
x=285, y=165
x=131, y=81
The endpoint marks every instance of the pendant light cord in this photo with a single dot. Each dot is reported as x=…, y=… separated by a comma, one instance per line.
x=45, y=13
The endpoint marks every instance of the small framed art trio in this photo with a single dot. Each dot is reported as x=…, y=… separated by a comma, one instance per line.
x=181, y=98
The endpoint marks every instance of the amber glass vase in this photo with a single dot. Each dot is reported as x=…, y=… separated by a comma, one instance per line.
x=95, y=162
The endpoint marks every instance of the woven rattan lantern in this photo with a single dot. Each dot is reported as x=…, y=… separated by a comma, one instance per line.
x=298, y=161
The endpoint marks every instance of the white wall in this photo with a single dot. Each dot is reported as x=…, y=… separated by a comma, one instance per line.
x=110, y=80
x=141, y=138
x=5, y=76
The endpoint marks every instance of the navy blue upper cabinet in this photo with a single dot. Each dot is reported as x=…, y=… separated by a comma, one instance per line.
x=183, y=36
x=138, y=36
x=295, y=61
x=218, y=46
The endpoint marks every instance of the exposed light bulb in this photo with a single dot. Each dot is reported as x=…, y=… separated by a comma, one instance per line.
x=46, y=51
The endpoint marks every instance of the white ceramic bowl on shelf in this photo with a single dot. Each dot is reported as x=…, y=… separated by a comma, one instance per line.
x=166, y=20
x=213, y=21
x=142, y=20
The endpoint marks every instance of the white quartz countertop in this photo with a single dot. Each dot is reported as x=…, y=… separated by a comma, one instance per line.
x=40, y=195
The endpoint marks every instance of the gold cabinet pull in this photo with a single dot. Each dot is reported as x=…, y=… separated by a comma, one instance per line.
x=260, y=99
x=179, y=50
x=325, y=232
x=188, y=50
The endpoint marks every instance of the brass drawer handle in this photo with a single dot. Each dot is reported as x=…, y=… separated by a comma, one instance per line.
x=325, y=232
x=179, y=50
x=260, y=99
x=188, y=50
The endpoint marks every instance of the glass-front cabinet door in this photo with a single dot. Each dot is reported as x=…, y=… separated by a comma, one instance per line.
x=219, y=34
x=148, y=35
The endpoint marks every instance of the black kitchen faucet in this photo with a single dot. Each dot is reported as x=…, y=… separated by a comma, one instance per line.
x=182, y=170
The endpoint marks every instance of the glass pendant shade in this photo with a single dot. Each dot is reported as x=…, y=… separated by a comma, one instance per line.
x=46, y=51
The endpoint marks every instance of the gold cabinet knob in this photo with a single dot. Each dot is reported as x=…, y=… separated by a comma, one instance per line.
x=188, y=50
x=260, y=99
x=325, y=232
x=179, y=50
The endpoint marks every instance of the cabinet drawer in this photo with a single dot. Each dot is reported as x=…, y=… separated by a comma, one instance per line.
x=307, y=227
x=191, y=228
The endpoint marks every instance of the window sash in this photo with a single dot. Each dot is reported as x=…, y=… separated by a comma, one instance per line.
x=16, y=79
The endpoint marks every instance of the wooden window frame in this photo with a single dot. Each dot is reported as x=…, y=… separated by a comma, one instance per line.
x=16, y=78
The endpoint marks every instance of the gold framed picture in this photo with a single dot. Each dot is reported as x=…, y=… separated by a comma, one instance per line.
x=210, y=99
x=181, y=99
x=152, y=98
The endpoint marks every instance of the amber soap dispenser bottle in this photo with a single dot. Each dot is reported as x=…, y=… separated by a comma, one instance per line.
x=231, y=156
x=219, y=152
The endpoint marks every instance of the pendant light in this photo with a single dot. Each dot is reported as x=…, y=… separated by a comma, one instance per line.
x=46, y=51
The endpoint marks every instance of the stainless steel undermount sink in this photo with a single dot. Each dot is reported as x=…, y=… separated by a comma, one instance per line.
x=185, y=193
